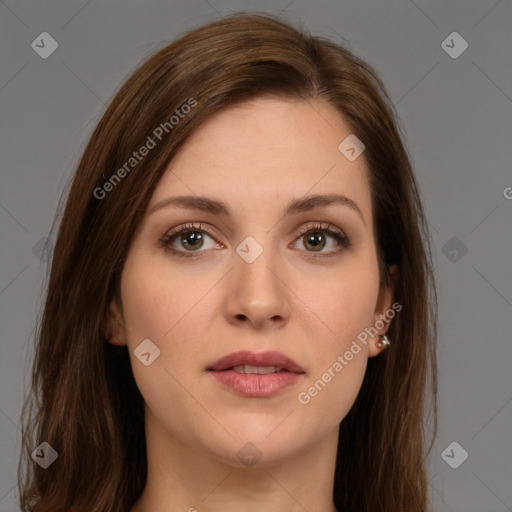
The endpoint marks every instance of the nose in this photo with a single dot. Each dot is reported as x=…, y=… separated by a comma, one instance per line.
x=258, y=296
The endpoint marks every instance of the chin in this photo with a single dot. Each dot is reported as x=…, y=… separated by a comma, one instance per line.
x=243, y=453
x=258, y=443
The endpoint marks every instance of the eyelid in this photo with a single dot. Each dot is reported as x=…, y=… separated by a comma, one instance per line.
x=319, y=226
x=189, y=226
x=314, y=226
x=344, y=242
x=167, y=240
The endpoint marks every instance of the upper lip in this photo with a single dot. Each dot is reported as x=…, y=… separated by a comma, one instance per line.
x=256, y=359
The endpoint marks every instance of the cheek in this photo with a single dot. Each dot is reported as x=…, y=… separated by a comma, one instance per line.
x=328, y=396
x=345, y=305
x=159, y=307
x=175, y=312
x=340, y=358
x=340, y=305
x=155, y=302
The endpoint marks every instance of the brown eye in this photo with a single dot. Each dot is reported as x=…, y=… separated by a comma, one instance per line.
x=316, y=238
x=192, y=240
x=189, y=240
x=315, y=241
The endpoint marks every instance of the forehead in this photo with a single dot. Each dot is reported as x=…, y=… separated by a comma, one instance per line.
x=266, y=152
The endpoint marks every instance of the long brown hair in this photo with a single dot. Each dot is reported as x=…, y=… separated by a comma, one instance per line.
x=84, y=400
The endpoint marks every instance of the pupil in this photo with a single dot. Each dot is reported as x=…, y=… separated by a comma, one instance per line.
x=315, y=244
x=191, y=239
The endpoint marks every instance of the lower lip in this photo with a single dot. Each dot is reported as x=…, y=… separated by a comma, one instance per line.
x=257, y=385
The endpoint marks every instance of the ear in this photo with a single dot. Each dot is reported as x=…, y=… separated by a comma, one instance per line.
x=381, y=322
x=113, y=329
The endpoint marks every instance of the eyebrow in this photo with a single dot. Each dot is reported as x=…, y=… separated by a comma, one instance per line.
x=304, y=204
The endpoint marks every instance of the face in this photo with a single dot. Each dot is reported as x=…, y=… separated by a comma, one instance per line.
x=263, y=271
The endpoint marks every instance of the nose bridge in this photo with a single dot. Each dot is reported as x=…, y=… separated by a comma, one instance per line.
x=258, y=290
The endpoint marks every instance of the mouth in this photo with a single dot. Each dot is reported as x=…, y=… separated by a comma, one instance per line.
x=260, y=370
x=256, y=375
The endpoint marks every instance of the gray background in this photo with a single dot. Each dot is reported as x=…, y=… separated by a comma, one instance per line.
x=457, y=117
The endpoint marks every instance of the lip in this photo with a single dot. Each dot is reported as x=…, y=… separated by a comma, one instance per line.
x=255, y=359
x=256, y=385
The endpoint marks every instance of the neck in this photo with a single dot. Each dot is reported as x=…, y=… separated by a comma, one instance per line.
x=184, y=478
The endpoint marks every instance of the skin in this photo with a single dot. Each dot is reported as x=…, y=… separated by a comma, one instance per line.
x=255, y=157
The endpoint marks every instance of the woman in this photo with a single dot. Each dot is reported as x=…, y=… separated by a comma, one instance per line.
x=241, y=313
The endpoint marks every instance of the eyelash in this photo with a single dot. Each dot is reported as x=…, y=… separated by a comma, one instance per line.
x=167, y=240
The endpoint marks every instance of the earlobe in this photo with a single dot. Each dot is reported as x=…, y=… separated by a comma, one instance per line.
x=113, y=341
x=384, y=313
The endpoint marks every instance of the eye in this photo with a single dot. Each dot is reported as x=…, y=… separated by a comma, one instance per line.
x=318, y=236
x=192, y=240
x=191, y=237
